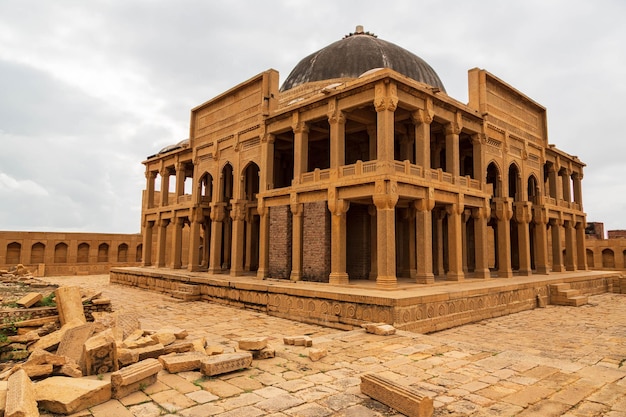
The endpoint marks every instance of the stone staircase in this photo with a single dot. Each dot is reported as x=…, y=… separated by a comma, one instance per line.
x=563, y=295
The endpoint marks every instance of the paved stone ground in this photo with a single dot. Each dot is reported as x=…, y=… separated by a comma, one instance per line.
x=556, y=361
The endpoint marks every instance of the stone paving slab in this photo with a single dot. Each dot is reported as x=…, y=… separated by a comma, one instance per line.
x=546, y=362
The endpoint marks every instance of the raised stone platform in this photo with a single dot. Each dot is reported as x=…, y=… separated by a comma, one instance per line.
x=416, y=307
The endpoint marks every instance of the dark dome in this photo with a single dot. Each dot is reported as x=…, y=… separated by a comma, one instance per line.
x=355, y=54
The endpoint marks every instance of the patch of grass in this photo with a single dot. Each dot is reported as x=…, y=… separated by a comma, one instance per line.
x=621, y=363
x=48, y=300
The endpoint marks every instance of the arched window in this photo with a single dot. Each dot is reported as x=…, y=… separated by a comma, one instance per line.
x=122, y=253
x=227, y=184
x=514, y=189
x=37, y=253
x=103, y=253
x=83, y=253
x=14, y=253
x=493, y=178
x=608, y=259
x=138, y=254
x=60, y=253
x=251, y=184
x=533, y=190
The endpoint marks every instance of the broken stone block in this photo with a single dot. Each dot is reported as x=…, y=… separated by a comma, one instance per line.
x=71, y=369
x=252, y=343
x=179, y=346
x=317, y=354
x=404, y=399
x=298, y=340
x=176, y=331
x=125, y=323
x=153, y=351
x=214, y=350
x=29, y=299
x=227, y=362
x=199, y=344
x=164, y=338
x=35, y=371
x=381, y=329
x=134, y=377
x=100, y=354
x=267, y=352
x=69, y=305
x=139, y=342
x=182, y=362
x=64, y=395
x=72, y=342
x=21, y=398
x=52, y=340
x=126, y=357
x=3, y=396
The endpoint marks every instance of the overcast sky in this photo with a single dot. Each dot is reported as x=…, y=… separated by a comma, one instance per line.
x=89, y=89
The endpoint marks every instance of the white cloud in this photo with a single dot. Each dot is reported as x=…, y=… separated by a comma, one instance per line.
x=10, y=186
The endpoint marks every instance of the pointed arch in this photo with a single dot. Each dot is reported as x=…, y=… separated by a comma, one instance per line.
x=251, y=181
x=205, y=188
x=83, y=253
x=37, y=253
x=494, y=177
x=226, y=182
x=533, y=189
x=14, y=253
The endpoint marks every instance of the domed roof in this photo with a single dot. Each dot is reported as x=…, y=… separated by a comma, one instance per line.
x=355, y=54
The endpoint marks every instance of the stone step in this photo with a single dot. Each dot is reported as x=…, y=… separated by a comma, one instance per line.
x=404, y=399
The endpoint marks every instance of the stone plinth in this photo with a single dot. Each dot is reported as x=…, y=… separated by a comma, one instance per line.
x=227, y=362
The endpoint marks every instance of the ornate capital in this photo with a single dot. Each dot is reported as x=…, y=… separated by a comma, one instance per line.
x=338, y=207
x=385, y=201
x=336, y=117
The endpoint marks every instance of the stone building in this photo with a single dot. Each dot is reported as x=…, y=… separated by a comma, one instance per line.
x=360, y=166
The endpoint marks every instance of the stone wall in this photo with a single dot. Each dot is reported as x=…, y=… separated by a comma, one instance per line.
x=316, y=242
x=61, y=253
x=280, y=242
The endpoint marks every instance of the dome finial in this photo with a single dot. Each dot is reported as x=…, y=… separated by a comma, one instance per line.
x=359, y=29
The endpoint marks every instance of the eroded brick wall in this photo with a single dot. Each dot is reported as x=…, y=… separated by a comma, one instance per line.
x=316, y=242
x=358, y=242
x=280, y=242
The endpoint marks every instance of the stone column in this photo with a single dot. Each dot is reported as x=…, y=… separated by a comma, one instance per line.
x=194, y=240
x=373, y=243
x=249, y=241
x=338, y=208
x=165, y=186
x=481, y=218
x=161, y=242
x=301, y=149
x=565, y=184
x=580, y=246
x=557, y=248
x=177, y=243
x=146, y=256
x=422, y=119
x=455, y=242
x=264, y=238
x=180, y=180
x=452, y=149
x=578, y=190
x=439, y=265
x=296, y=241
x=424, y=231
x=540, y=218
x=385, y=203
x=504, y=213
x=552, y=188
x=385, y=103
x=570, y=249
x=412, y=232
x=150, y=178
x=217, y=217
x=267, y=158
x=337, y=122
x=238, y=216
x=206, y=242
x=523, y=216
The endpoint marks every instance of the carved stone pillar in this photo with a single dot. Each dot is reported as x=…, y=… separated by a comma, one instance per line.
x=385, y=103
x=422, y=119
x=438, y=243
x=455, y=242
x=161, y=242
x=217, y=217
x=580, y=246
x=523, y=216
x=147, y=243
x=337, y=122
x=165, y=186
x=424, y=232
x=557, y=247
x=264, y=238
x=194, y=240
x=296, y=240
x=301, y=148
x=238, y=215
x=374, y=243
x=504, y=213
x=570, y=249
x=150, y=179
x=385, y=203
x=540, y=218
x=481, y=218
x=180, y=180
x=412, y=232
x=578, y=190
x=338, y=209
x=453, y=159
x=177, y=243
